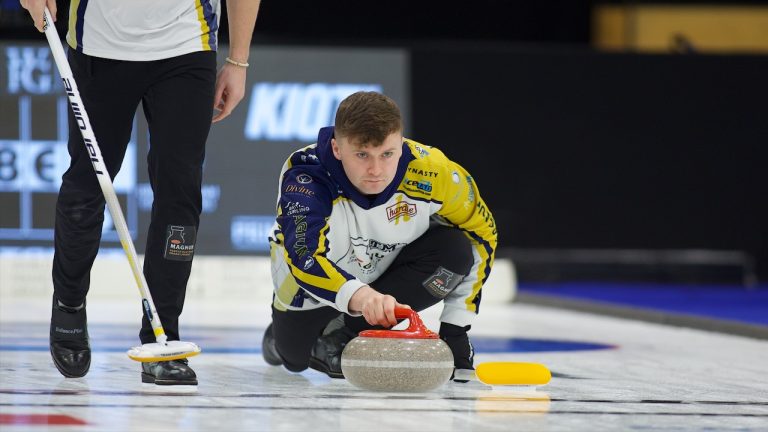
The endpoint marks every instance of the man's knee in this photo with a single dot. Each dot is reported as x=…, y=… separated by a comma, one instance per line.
x=81, y=212
x=455, y=260
x=455, y=250
x=295, y=360
x=295, y=334
x=296, y=367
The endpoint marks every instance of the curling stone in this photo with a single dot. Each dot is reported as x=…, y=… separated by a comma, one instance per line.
x=410, y=360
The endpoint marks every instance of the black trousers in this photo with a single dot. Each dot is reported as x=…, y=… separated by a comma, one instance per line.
x=407, y=280
x=177, y=97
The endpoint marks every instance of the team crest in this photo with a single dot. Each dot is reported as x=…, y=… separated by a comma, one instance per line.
x=304, y=178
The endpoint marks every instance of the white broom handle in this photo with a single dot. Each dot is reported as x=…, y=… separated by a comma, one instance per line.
x=101, y=173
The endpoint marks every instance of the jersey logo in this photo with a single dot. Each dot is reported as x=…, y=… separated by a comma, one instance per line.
x=375, y=250
x=300, y=234
x=294, y=208
x=400, y=209
x=366, y=267
x=296, y=189
x=422, y=151
x=421, y=172
x=422, y=186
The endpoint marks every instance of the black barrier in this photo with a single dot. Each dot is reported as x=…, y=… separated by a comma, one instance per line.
x=575, y=149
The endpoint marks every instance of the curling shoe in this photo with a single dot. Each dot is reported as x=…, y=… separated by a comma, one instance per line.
x=70, y=349
x=268, y=349
x=172, y=372
x=326, y=353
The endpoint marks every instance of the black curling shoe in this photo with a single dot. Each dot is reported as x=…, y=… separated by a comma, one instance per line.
x=326, y=353
x=70, y=349
x=172, y=372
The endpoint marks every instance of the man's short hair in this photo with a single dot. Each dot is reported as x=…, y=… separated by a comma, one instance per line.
x=367, y=118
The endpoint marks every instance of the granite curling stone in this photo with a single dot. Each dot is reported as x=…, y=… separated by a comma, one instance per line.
x=410, y=360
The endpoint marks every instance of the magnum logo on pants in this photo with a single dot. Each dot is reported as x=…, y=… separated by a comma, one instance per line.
x=180, y=243
x=442, y=282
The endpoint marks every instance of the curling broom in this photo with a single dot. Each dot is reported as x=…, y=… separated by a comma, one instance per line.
x=162, y=350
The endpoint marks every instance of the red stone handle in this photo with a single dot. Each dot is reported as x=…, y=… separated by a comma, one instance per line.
x=416, y=328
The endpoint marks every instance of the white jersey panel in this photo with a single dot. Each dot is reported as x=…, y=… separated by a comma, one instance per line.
x=143, y=30
x=365, y=242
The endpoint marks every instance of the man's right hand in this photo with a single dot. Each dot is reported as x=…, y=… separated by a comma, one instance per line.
x=377, y=308
x=36, y=9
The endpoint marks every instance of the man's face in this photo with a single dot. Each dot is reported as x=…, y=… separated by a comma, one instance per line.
x=370, y=169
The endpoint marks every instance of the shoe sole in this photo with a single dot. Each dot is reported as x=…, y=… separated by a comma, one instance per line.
x=64, y=371
x=322, y=367
x=150, y=379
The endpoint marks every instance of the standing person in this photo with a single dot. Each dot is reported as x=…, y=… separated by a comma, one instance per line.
x=366, y=221
x=162, y=54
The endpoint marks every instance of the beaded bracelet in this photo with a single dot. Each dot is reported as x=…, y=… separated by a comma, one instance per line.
x=236, y=63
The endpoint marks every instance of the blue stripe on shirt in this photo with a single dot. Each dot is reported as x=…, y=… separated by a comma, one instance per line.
x=210, y=19
x=80, y=22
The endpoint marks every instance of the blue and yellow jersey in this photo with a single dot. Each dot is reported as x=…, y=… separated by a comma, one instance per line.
x=143, y=30
x=329, y=239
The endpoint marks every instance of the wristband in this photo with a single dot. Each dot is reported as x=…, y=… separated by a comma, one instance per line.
x=236, y=63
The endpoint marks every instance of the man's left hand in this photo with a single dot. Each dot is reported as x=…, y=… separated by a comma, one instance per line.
x=230, y=89
x=36, y=9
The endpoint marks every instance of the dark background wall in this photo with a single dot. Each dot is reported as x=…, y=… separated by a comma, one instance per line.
x=572, y=148
x=575, y=149
x=392, y=21
x=405, y=21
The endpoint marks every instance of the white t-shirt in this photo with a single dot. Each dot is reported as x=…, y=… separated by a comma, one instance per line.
x=143, y=30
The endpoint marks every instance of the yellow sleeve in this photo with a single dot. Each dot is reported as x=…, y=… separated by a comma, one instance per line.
x=461, y=206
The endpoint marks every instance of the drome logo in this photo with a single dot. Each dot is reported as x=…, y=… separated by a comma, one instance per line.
x=295, y=111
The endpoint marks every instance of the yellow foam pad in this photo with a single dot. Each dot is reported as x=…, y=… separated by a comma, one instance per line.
x=145, y=359
x=513, y=373
x=171, y=350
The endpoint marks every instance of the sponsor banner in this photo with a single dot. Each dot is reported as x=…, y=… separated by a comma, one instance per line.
x=250, y=233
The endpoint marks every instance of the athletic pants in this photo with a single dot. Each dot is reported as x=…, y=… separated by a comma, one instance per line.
x=295, y=332
x=177, y=97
